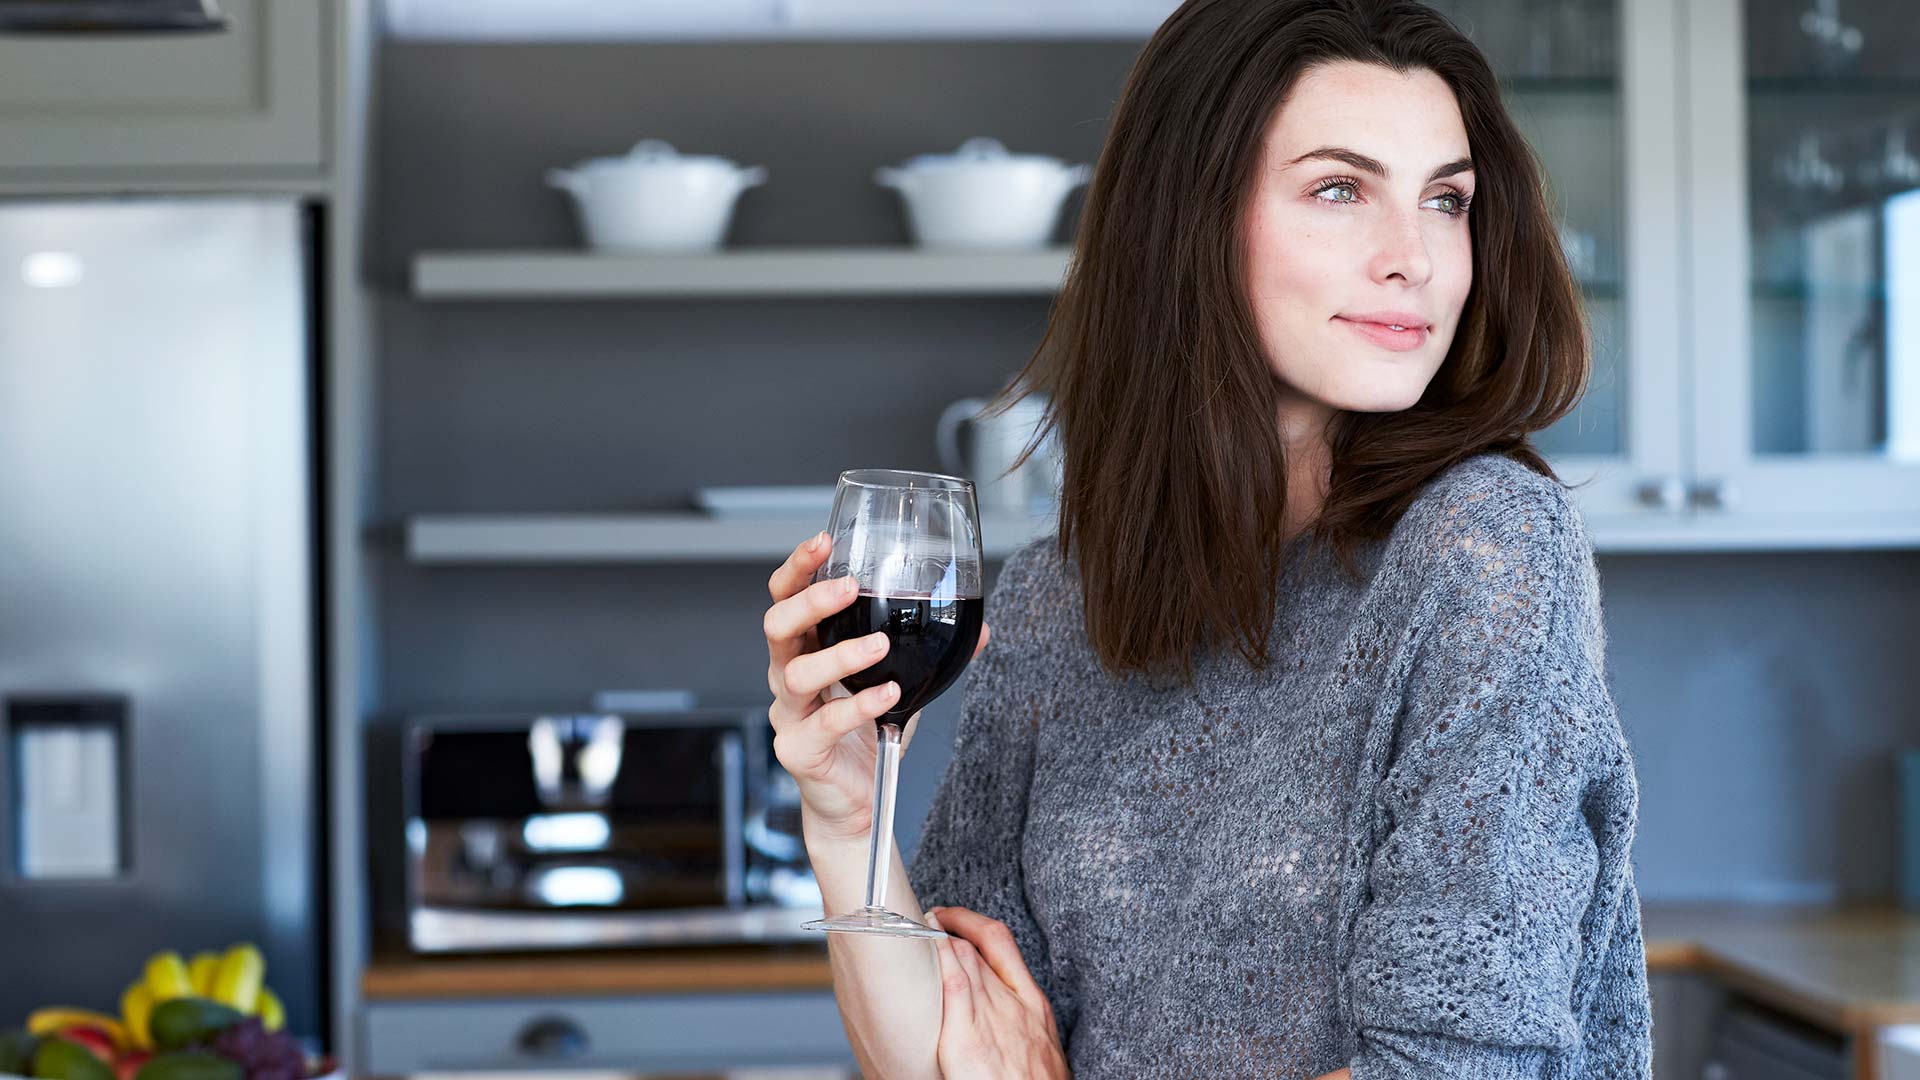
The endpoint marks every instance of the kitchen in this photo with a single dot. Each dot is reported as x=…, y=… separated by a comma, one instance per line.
x=518, y=454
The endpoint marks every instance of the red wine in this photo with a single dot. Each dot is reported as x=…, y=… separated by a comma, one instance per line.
x=933, y=641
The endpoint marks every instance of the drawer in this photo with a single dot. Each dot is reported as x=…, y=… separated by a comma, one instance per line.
x=653, y=1032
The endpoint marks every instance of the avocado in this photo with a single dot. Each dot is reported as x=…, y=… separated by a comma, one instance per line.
x=189, y=1065
x=57, y=1059
x=183, y=1021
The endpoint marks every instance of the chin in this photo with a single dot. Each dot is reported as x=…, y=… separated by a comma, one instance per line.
x=1380, y=398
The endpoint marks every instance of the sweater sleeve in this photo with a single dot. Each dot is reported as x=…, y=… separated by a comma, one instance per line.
x=969, y=854
x=1504, y=818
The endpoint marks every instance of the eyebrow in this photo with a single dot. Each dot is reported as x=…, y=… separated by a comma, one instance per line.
x=1366, y=164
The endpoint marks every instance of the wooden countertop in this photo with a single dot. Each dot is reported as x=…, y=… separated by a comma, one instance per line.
x=665, y=971
x=1850, y=969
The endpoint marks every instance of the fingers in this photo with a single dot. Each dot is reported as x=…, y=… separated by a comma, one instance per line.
x=808, y=674
x=788, y=621
x=996, y=945
x=977, y=976
x=793, y=575
x=956, y=992
x=985, y=632
x=826, y=725
x=797, y=605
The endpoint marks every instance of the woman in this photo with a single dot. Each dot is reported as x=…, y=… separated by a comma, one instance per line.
x=1291, y=754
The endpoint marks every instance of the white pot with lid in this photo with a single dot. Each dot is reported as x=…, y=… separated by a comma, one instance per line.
x=981, y=196
x=654, y=198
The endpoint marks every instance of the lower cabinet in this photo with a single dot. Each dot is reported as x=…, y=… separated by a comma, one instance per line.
x=1685, y=1005
x=640, y=1033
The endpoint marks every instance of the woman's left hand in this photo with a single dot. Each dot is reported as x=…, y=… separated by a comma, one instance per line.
x=995, y=1021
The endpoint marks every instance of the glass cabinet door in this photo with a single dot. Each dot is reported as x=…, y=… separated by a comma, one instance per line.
x=1589, y=82
x=1805, y=204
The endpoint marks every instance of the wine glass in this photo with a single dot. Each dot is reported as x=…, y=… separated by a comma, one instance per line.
x=912, y=541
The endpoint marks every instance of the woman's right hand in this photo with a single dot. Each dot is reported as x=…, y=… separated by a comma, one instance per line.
x=825, y=739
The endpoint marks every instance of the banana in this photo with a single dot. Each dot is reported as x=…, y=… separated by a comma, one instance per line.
x=50, y=1020
x=167, y=977
x=136, y=1004
x=273, y=1015
x=200, y=972
x=237, y=983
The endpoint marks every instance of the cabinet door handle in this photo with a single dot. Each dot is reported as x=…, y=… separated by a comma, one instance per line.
x=1662, y=493
x=551, y=1037
x=1716, y=494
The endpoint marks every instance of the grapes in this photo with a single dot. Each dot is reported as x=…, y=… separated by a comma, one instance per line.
x=265, y=1055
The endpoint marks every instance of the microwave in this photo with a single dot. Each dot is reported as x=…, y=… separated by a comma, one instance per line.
x=600, y=829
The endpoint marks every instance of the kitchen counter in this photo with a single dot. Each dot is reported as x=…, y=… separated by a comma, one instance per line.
x=1851, y=969
x=655, y=971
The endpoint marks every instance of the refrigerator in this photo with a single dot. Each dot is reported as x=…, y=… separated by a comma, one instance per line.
x=160, y=735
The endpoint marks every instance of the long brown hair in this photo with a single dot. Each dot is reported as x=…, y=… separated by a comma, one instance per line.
x=1174, y=475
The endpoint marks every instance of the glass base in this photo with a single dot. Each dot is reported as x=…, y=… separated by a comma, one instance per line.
x=874, y=920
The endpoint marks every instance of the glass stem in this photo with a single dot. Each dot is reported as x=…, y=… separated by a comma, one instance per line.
x=886, y=773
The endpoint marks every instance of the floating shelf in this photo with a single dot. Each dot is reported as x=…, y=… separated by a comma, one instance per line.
x=692, y=537
x=821, y=271
x=683, y=537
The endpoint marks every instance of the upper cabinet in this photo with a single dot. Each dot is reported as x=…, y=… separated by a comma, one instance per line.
x=249, y=100
x=1590, y=85
x=1739, y=188
x=1804, y=206
x=669, y=19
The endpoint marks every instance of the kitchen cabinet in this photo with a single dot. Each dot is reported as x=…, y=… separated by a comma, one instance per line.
x=1737, y=193
x=246, y=101
x=1803, y=204
x=1684, y=1006
x=1744, y=258
x=670, y=19
x=704, y=1032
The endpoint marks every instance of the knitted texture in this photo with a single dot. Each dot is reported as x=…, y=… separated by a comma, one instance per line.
x=1403, y=847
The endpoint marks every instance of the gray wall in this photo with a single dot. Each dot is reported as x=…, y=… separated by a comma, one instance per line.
x=1763, y=692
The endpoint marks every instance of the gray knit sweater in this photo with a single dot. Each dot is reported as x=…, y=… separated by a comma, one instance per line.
x=1403, y=847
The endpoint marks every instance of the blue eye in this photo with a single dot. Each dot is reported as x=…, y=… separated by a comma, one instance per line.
x=1461, y=200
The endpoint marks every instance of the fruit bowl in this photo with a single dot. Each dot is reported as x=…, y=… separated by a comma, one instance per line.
x=212, y=1019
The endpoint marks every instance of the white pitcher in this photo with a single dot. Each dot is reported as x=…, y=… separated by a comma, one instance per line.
x=995, y=444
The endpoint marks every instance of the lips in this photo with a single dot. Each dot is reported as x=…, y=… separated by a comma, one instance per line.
x=1414, y=336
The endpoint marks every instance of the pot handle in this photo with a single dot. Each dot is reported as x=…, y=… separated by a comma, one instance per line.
x=947, y=432
x=566, y=181
x=1078, y=175
x=888, y=176
x=752, y=176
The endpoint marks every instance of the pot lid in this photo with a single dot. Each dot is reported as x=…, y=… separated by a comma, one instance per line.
x=977, y=152
x=657, y=154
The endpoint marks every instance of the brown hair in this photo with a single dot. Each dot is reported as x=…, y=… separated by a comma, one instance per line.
x=1174, y=473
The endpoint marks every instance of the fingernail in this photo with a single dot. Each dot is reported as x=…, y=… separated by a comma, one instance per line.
x=876, y=641
x=848, y=584
x=818, y=539
x=893, y=690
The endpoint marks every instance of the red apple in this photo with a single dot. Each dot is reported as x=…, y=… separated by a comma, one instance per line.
x=126, y=1067
x=99, y=1042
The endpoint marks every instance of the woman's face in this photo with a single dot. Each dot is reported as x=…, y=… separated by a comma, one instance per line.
x=1357, y=216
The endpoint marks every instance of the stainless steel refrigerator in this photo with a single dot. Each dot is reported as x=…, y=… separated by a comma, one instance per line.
x=159, y=756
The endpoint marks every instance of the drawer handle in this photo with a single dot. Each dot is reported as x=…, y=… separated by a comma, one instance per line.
x=551, y=1037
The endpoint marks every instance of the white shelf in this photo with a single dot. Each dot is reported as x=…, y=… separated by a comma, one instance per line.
x=821, y=271
x=683, y=537
x=693, y=537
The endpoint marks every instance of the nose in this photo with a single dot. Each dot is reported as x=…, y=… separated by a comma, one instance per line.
x=1401, y=249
